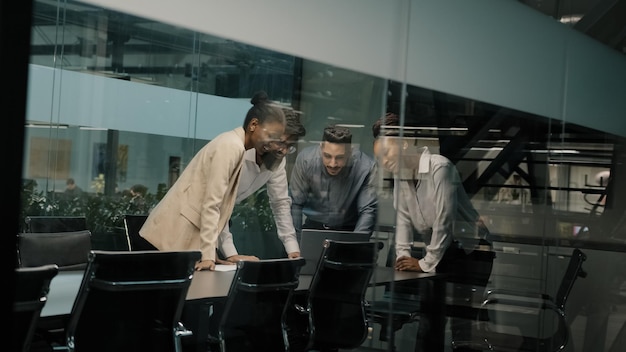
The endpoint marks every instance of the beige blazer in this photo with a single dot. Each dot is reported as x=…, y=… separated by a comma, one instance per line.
x=196, y=208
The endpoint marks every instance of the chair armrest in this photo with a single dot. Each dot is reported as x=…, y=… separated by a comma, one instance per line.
x=182, y=331
x=300, y=309
x=499, y=293
x=522, y=305
x=523, y=302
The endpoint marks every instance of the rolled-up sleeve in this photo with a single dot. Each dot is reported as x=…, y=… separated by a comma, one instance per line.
x=367, y=203
x=404, y=228
x=443, y=188
x=226, y=243
x=280, y=202
x=298, y=193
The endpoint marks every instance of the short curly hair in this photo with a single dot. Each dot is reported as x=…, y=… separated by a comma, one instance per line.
x=337, y=134
x=293, y=127
x=389, y=120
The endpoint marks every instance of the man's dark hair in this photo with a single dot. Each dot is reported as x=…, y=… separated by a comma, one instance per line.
x=139, y=188
x=337, y=134
x=389, y=120
x=294, y=127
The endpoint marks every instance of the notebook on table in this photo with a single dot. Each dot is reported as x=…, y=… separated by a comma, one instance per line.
x=312, y=241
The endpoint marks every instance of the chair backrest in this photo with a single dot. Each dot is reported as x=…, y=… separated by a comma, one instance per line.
x=573, y=271
x=55, y=223
x=131, y=301
x=132, y=225
x=254, y=311
x=31, y=291
x=336, y=301
x=312, y=244
x=68, y=250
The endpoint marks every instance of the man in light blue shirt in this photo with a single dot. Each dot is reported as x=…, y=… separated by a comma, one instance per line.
x=333, y=185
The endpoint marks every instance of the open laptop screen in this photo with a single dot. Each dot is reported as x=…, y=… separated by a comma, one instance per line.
x=312, y=241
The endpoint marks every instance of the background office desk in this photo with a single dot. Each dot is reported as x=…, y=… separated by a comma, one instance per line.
x=206, y=285
x=63, y=290
x=210, y=286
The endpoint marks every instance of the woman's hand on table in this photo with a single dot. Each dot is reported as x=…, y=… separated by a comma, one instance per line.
x=222, y=262
x=408, y=264
x=205, y=265
x=233, y=259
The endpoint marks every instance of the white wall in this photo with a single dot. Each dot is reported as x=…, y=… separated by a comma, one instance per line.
x=497, y=51
x=90, y=100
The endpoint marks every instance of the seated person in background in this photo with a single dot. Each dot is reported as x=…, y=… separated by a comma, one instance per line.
x=268, y=169
x=137, y=200
x=332, y=185
x=515, y=195
x=71, y=189
x=430, y=200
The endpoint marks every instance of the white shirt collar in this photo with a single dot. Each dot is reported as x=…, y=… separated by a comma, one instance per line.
x=424, y=166
x=250, y=155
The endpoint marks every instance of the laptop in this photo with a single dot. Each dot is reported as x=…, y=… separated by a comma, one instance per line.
x=312, y=241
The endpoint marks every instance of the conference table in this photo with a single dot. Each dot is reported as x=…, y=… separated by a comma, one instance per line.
x=211, y=286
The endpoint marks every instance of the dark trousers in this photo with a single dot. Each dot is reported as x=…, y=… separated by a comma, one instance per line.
x=468, y=277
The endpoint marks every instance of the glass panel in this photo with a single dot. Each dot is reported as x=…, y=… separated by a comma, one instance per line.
x=542, y=187
x=84, y=38
x=121, y=103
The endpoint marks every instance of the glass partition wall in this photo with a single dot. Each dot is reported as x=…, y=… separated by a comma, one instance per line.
x=117, y=100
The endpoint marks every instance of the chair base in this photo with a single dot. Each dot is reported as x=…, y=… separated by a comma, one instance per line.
x=502, y=342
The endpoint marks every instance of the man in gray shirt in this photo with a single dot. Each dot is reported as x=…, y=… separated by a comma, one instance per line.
x=333, y=185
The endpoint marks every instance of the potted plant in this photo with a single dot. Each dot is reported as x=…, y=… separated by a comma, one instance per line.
x=104, y=213
x=254, y=229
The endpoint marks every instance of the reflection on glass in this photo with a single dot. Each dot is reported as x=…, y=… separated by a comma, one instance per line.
x=541, y=185
x=99, y=41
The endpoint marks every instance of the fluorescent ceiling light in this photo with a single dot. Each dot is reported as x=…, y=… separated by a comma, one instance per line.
x=570, y=19
x=36, y=125
x=92, y=128
x=349, y=125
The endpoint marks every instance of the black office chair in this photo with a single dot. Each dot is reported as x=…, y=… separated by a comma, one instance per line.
x=31, y=291
x=68, y=250
x=254, y=311
x=132, y=225
x=514, y=308
x=396, y=308
x=55, y=223
x=405, y=303
x=336, y=304
x=131, y=301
